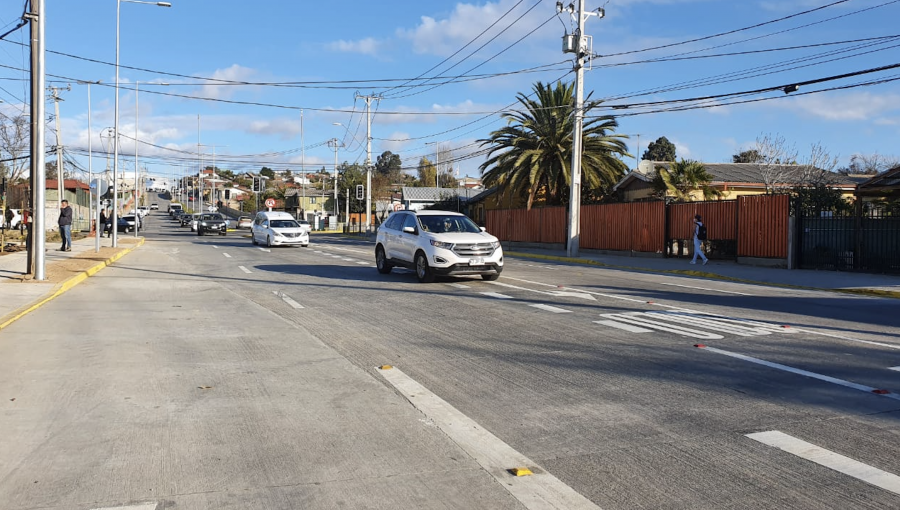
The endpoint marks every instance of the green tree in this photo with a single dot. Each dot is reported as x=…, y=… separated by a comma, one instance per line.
x=388, y=163
x=748, y=156
x=267, y=172
x=531, y=156
x=660, y=150
x=681, y=178
x=427, y=172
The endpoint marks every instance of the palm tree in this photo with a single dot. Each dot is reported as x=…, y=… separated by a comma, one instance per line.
x=683, y=177
x=531, y=156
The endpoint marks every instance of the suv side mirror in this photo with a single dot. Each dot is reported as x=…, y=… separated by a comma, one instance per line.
x=409, y=230
x=483, y=229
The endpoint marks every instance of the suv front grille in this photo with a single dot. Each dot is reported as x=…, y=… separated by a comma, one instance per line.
x=474, y=249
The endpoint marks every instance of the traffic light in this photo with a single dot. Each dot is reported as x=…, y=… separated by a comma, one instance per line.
x=359, y=191
x=255, y=184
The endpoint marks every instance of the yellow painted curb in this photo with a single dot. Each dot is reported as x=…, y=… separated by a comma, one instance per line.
x=66, y=286
x=704, y=274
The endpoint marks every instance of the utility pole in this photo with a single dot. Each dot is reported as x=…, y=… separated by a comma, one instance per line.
x=577, y=43
x=37, y=230
x=302, y=166
x=60, y=187
x=334, y=143
x=368, y=158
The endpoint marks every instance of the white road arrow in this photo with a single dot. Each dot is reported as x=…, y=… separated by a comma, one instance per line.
x=558, y=293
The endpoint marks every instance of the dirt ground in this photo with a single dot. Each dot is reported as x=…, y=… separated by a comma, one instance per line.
x=57, y=271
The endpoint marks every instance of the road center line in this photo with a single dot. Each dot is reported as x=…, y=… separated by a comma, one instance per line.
x=897, y=369
x=551, y=308
x=266, y=250
x=284, y=297
x=458, y=285
x=244, y=269
x=540, y=490
x=703, y=288
x=142, y=506
x=226, y=255
x=496, y=295
x=849, y=339
x=831, y=460
x=805, y=373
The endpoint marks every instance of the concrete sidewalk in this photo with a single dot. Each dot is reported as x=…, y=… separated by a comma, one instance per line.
x=19, y=293
x=837, y=281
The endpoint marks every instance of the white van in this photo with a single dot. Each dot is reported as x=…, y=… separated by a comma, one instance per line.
x=278, y=228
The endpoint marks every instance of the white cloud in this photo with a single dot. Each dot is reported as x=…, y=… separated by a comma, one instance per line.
x=681, y=150
x=284, y=128
x=467, y=21
x=233, y=73
x=367, y=46
x=854, y=106
x=396, y=142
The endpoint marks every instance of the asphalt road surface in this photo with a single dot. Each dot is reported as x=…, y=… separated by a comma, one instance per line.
x=205, y=372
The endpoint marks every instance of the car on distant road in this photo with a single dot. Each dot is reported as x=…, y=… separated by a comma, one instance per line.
x=154, y=206
x=173, y=208
x=435, y=243
x=278, y=228
x=195, y=219
x=211, y=222
x=244, y=222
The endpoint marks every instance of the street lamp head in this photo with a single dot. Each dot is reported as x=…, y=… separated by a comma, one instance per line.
x=164, y=4
x=336, y=124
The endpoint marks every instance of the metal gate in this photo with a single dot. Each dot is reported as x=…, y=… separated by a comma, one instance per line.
x=867, y=239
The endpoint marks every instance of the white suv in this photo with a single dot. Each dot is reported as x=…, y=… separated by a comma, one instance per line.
x=437, y=243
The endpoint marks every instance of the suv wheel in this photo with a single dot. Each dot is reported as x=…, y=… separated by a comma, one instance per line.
x=268, y=241
x=253, y=239
x=199, y=232
x=384, y=267
x=423, y=271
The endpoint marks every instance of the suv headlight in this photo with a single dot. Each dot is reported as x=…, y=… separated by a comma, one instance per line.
x=441, y=244
x=495, y=244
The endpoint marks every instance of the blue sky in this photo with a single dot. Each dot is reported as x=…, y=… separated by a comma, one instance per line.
x=316, y=56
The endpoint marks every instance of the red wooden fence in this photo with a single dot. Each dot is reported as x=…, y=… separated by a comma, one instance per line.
x=759, y=224
x=763, y=226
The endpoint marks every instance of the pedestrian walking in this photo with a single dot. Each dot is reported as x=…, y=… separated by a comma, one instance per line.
x=104, y=223
x=699, y=237
x=65, y=225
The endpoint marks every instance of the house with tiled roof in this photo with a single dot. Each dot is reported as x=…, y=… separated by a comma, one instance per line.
x=735, y=179
x=414, y=198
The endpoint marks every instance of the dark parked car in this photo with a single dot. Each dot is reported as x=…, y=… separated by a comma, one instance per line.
x=126, y=223
x=211, y=222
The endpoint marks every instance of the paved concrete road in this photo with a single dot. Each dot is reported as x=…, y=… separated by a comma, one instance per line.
x=589, y=376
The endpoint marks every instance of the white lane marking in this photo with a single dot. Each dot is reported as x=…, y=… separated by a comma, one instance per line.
x=805, y=373
x=626, y=327
x=458, y=285
x=540, y=490
x=551, y=308
x=703, y=288
x=548, y=293
x=266, y=250
x=710, y=322
x=141, y=506
x=335, y=256
x=363, y=263
x=216, y=247
x=580, y=290
x=348, y=260
x=641, y=319
x=284, y=297
x=496, y=295
x=226, y=255
x=894, y=368
x=849, y=339
x=831, y=460
x=244, y=269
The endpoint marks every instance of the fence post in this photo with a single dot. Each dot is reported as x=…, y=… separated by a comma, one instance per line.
x=857, y=234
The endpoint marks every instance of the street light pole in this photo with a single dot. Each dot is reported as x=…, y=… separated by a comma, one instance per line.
x=115, y=213
x=335, y=144
x=93, y=213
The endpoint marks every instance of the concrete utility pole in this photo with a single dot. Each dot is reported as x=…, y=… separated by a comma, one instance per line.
x=38, y=181
x=302, y=167
x=579, y=45
x=60, y=187
x=334, y=143
x=368, y=159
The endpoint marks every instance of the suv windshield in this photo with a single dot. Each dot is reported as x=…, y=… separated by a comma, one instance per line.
x=443, y=224
x=284, y=224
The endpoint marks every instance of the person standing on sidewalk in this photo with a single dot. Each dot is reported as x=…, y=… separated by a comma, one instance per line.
x=699, y=237
x=65, y=225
